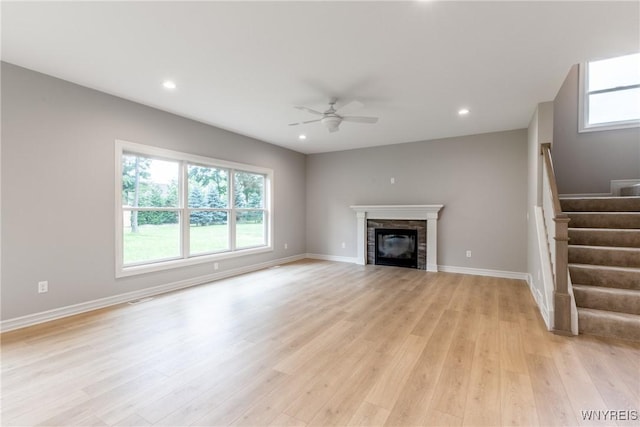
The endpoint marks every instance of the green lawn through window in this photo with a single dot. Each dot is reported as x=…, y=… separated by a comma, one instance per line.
x=153, y=242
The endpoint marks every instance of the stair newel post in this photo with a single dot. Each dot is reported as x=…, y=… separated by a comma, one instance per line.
x=562, y=299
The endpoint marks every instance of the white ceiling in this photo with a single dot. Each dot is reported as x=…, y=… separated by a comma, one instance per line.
x=243, y=66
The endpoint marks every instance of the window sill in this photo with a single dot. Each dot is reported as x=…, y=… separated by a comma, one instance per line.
x=610, y=126
x=167, y=265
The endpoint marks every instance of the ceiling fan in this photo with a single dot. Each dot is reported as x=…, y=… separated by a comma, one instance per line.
x=331, y=119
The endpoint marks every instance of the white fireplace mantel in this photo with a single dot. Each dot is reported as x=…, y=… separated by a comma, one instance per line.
x=428, y=213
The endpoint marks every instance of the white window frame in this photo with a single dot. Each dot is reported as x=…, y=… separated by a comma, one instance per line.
x=185, y=259
x=583, y=106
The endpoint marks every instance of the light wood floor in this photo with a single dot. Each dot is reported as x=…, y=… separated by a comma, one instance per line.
x=318, y=343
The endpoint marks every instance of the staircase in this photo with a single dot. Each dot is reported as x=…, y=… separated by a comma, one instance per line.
x=604, y=264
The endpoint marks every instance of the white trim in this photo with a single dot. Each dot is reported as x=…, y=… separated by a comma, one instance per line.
x=619, y=184
x=442, y=268
x=545, y=301
x=483, y=272
x=71, y=310
x=583, y=108
x=184, y=259
x=178, y=155
x=58, y=313
x=538, y=298
x=351, y=260
x=428, y=213
x=132, y=270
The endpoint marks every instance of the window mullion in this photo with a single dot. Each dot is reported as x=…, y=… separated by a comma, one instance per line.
x=184, y=211
x=613, y=89
x=232, y=210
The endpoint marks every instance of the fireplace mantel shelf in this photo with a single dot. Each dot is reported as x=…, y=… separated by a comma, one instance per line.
x=428, y=213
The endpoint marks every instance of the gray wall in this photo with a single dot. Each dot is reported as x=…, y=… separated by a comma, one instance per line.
x=58, y=189
x=587, y=162
x=481, y=180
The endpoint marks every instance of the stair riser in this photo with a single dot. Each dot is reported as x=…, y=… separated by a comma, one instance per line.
x=620, y=238
x=625, y=204
x=597, y=256
x=600, y=220
x=591, y=297
x=606, y=278
x=608, y=327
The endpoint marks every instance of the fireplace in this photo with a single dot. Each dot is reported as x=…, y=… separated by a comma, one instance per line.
x=423, y=218
x=397, y=247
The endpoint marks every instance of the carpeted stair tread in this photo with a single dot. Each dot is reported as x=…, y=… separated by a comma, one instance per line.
x=610, y=299
x=604, y=255
x=629, y=238
x=609, y=324
x=632, y=190
x=601, y=275
x=624, y=220
x=600, y=204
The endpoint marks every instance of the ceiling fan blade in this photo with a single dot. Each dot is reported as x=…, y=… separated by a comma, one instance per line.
x=360, y=119
x=309, y=110
x=304, y=123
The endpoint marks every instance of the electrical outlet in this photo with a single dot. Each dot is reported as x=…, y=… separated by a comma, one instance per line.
x=43, y=287
x=468, y=254
x=393, y=180
x=286, y=246
x=215, y=265
x=344, y=245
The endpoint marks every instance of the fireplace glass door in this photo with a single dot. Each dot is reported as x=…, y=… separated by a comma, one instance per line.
x=397, y=247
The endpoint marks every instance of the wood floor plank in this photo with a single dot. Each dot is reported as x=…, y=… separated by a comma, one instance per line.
x=317, y=343
x=482, y=406
x=552, y=402
x=386, y=390
x=368, y=415
x=411, y=406
x=517, y=404
x=512, y=354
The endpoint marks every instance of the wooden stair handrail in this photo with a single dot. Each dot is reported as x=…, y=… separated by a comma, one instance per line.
x=561, y=297
x=545, y=150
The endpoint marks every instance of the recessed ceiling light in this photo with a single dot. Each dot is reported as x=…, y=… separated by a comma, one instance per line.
x=168, y=84
x=463, y=111
x=302, y=137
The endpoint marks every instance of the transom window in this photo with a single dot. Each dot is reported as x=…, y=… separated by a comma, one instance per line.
x=176, y=209
x=610, y=93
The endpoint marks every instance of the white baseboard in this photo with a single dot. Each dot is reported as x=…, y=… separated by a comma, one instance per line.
x=483, y=272
x=537, y=297
x=443, y=268
x=58, y=313
x=352, y=260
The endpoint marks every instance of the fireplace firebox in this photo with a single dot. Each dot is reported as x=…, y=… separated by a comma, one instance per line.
x=397, y=247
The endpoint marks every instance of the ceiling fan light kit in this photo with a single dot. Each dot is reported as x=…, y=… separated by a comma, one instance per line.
x=332, y=123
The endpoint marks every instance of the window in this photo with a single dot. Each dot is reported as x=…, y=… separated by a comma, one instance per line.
x=610, y=93
x=176, y=209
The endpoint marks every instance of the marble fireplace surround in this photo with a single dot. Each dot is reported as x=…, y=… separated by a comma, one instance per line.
x=427, y=213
